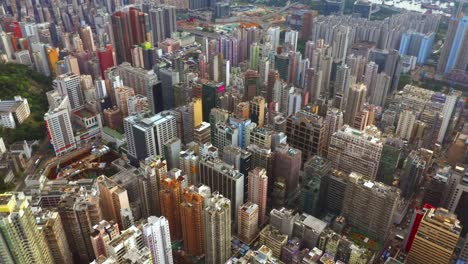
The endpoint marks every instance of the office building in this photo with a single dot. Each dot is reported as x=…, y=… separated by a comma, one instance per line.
x=248, y=221
x=380, y=200
x=209, y=95
x=351, y=150
x=191, y=213
x=273, y=239
x=306, y=132
x=260, y=136
x=221, y=177
x=172, y=150
x=288, y=162
x=21, y=239
x=217, y=228
x=170, y=197
x=283, y=220
x=225, y=135
x=436, y=238
x=202, y=133
x=389, y=161
x=113, y=198
x=413, y=171
x=308, y=229
x=146, y=135
x=157, y=238
x=257, y=192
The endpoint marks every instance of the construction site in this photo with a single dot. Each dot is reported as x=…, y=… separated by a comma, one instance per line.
x=86, y=162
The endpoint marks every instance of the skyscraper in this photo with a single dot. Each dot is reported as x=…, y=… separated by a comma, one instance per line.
x=224, y=135
x=351, y=150
x=217, y=227
x=170, y=198
x=21, y=240
x=139, y=79
x=290, y=39
x=223, y=178
x=53, y=230
x=153, y=169
x=191, y=213
x=59, y=127
x=453, y=54
x=258, y=190
x=254, y=55
x=288, y=162
x=113, y=198
x=405, y=126
x=369, y=206
x=257, y=110
x=146, y=135
x=106, y=59
x=69, y=84
x=354, y=102
x=79, y=213
x=436, y=238
x=248, y=221
x=157, y=238
x=122, y=37
x=274, y=37
x=306, y=132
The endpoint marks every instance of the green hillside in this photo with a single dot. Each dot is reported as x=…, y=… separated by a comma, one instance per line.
x=18, y=79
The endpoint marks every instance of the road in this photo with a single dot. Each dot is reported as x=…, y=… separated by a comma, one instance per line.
x=31, y=167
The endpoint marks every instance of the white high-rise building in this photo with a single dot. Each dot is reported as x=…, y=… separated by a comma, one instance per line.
x=5, y=44
x=59, y=127
x=146, y=135
x=291, y=38
x=447, y=111
x=158, y=240
x=70, y=84
x=405, y=124
x=274, y=36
